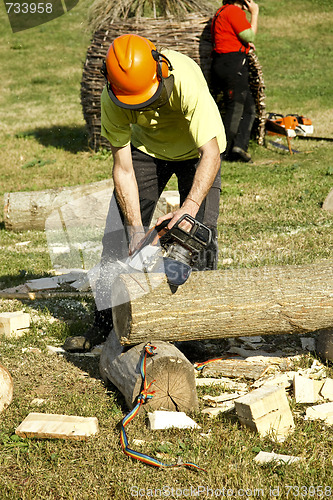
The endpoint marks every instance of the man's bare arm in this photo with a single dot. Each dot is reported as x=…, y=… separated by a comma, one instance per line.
x=127, y=192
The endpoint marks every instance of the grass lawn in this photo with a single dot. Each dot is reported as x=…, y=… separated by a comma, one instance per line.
x=271, y=214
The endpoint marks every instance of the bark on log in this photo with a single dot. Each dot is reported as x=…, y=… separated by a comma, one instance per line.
x=6, y=388
x=173, y=375
x=228, y=303
x=235, y=368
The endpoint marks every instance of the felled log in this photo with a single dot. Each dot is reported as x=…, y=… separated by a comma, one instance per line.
x=84, y=204
x=173, y=375
x=64, y=208
x=226, y=303
x=6, y=388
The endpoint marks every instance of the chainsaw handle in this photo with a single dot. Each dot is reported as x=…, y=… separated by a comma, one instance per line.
x=196, y=227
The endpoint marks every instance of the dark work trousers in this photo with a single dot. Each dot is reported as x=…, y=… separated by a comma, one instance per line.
x=152, y=176
x=230, y=74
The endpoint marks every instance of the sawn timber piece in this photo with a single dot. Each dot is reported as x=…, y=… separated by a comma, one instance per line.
x=224, y=303
x=6, y=388
x=171, y=371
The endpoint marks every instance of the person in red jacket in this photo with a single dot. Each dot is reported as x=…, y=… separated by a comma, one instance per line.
x=233, y=36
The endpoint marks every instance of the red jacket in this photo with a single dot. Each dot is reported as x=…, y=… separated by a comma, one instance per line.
x=227, y=23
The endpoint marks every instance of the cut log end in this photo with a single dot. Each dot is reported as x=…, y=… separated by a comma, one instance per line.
x=170, y=371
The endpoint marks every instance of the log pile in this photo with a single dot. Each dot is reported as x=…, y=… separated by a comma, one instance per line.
x=257, y=85
x=190, y=35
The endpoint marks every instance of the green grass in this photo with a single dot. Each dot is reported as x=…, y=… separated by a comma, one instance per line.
x=270, y=214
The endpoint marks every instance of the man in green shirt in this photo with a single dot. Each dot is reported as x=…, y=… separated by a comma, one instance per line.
x=160, y=119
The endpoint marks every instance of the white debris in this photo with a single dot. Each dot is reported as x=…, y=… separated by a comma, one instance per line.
x=307, y=390
x=161, y=419
x=327, y=389
x=216, y=400
x=265, y=457
x=224, y=408
x=55, y=350
x=206, y=435
x=266, y=357
x=37, y=402
x=225, y=382
x=34, y=350
x=320, y=412
x=284, y=380
x=138, y=442
x=22, y=243
x=43, y=284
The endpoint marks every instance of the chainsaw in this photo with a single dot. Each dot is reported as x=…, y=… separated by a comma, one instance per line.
x=289, y=125
x=174, y=251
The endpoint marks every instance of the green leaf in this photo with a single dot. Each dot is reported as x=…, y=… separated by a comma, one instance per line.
x=15, y=437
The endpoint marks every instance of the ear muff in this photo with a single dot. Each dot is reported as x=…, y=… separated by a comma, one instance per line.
x=163, y=64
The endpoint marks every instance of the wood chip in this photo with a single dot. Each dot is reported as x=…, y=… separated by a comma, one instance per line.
x=47, y=425
x=236, y=369
x=265, y=457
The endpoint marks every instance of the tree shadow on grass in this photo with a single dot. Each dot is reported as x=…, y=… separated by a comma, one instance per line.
x=69, y=138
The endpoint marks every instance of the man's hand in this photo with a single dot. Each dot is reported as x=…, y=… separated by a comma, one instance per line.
x=136, y=235
x=251, y=6
x=176, y=215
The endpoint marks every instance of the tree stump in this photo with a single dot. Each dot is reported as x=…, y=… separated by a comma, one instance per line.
x=6, y=388
x=173, y=375
x=226, y=303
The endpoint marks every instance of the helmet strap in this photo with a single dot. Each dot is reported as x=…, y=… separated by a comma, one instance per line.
x=160, y=59
x=103, y=70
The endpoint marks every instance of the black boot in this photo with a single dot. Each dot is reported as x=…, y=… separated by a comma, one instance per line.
x=96, y=335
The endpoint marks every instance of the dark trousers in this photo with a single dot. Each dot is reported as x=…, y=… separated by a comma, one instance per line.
x=230, y=74
x=152, y=175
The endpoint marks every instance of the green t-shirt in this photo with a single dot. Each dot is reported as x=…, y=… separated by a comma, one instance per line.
x=175, y=131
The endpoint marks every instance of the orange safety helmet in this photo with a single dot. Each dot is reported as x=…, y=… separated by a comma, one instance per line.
x=134, y=71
